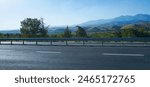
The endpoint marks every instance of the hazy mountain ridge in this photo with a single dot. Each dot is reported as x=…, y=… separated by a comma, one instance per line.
x=139, y=19
x=145, y=25
x=14, y=31
x=114, y=23
x=121, y=22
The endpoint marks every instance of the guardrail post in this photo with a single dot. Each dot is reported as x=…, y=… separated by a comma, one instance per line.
x=83, y=42
x=23, y=42
x=66, y=42
x=102, y=43
x=36, y=42
x=11, y=42
x=51, y=42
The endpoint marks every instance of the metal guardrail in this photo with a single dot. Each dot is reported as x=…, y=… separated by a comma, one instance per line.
x=51, y=40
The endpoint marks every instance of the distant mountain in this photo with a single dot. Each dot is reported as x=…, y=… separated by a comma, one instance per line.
x=121, y=22
x=95, y=22
x=15, y=31
x=111, y=24
x=59, y=30
x=144, y=25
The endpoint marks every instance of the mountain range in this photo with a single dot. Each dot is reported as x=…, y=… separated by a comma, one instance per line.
x=121, y=22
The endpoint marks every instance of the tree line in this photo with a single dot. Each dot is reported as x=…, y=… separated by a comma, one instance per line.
x=36, y=28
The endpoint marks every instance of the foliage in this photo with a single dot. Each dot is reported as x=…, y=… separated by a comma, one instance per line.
x=10, y=35
x=81, y=32
x=33, y=28
x=56, y=36
x=67, y=33
x=135, y=33
x=102, y=35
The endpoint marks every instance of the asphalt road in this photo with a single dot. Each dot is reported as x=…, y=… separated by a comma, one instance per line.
x=26, y=57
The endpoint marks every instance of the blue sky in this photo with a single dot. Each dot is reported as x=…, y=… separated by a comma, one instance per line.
x=67, y=12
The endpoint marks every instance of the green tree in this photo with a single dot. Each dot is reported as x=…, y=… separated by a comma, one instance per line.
x=141, y=32
x=117, y=33
x=67, y=33
x=43, y=30
x=81, y=32
x=129, y=32
x=33, y=28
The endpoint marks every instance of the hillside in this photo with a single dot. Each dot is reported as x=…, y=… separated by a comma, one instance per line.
x=121, y=22
x=144, y=25
x=101, y=25
x=14, y=31
x=142, y=20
